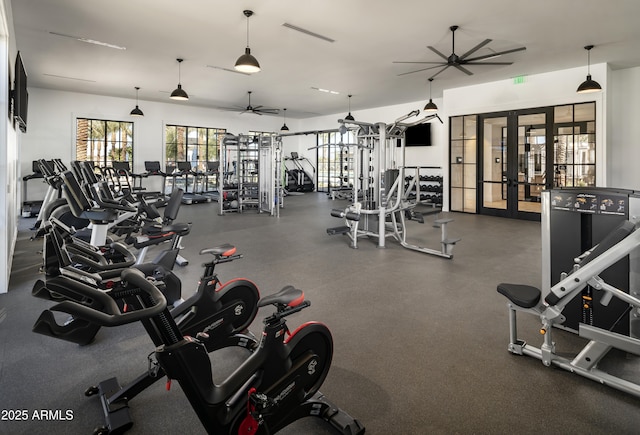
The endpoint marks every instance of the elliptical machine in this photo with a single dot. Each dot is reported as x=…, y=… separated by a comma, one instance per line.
x=275, y=386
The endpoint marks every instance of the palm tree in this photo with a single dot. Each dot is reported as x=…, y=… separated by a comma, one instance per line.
x=82, y=138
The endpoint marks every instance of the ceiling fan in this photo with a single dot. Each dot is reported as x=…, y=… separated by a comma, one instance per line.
x=453, y=60
x=258, y=110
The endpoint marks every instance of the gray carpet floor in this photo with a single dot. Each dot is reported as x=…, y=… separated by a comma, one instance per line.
x=420, y=342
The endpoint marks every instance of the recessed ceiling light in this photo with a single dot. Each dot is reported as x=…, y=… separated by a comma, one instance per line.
x=90, y=41
x=326, y=91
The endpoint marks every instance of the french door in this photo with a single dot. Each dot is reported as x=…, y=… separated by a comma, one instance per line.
x=516, y=155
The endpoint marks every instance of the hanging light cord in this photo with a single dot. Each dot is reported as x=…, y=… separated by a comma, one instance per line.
x=247, y=32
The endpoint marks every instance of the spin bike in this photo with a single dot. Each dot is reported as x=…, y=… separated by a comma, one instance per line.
x=276, y=385
x=220, y=312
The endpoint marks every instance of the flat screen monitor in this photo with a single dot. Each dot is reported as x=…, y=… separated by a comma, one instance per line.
x=418, y=135
x=20, y=95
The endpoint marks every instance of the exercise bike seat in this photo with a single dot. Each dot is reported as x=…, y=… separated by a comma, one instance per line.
x=524, y=296
x=289, y=296
x=224, y=250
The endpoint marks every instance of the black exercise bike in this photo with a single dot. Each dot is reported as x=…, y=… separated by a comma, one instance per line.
x=276, y=385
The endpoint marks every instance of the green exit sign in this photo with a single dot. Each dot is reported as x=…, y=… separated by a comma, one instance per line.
x=518, y=80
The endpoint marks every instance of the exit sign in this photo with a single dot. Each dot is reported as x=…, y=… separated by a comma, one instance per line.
x=518, y=80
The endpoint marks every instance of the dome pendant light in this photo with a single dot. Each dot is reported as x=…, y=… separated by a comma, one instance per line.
x=136, y=111
x=430, y=106
x=284, y=126
x=349, y=117
x=179, y=93
x=247, y=63
x=589, y=85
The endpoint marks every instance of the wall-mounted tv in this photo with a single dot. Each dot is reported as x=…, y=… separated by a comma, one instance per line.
x=418, y=135
x=20, y=95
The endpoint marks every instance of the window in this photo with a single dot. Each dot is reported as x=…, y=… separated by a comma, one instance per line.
x=197, y=145
x=575, y=145
x=335, y=162
x=463, y=163
x=102, y=141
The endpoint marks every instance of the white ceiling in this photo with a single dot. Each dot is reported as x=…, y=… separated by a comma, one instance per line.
x=369, y=35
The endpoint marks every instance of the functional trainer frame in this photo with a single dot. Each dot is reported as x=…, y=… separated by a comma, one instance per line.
x=381, y=204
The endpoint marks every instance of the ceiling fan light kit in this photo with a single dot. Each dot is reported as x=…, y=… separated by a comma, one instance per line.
x=179, y=93
x=136, y=111
x=247, y=63
x=589, y=85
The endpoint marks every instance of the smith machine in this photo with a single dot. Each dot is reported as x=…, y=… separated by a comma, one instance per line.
x=381, y=201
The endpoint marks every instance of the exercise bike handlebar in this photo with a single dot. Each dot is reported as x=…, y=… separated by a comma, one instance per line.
x=114, y=204
x=111, y=314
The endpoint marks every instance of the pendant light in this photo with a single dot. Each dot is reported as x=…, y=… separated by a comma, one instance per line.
x=179, y=93
x=136, y=111
x=247, y=63
x=430, y=106
x=284, y=126
x=349, y=117
x=589, y=85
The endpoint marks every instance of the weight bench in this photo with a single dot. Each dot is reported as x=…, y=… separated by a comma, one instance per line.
x=528, y=299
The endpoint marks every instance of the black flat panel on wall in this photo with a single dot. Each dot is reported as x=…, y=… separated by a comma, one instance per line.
x=576, y=226
x=418, y=135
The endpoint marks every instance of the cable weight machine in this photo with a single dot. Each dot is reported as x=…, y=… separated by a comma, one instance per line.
x=381, y=205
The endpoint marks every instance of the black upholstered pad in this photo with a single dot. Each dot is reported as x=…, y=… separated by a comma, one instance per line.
x=525, y=296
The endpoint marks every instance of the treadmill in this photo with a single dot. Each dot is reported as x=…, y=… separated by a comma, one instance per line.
x=211, y=179
x=192, y=196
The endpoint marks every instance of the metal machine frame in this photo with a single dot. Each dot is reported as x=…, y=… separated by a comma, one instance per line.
x=381, y=203
x=622, y=242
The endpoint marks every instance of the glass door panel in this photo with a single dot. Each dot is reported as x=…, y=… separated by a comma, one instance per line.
x=494, y=161
x=532, y=161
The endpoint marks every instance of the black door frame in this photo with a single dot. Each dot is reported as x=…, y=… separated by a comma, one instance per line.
x=511, y=176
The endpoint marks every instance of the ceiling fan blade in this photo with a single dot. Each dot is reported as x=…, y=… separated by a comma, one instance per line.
x=464, y=70
x=488, y=63
x=500, y=53
x=257, y=112
x=476, y=48
x=438, y=53
x=435, y=63
x=423, y=69
x=270, y=111
x=433, y=76
x=257, y=107
x=231, y=109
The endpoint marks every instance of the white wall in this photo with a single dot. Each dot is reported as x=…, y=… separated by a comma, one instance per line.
x=623, y=145
x=9, y=154
x=540, y=90
x=52, y=117
x=434, y=155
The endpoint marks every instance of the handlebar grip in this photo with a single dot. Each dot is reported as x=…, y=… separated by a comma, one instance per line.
x=114, y=204
x=127, y=256
x=111, y=316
